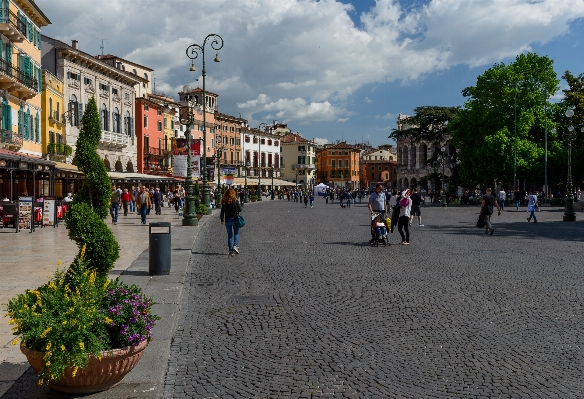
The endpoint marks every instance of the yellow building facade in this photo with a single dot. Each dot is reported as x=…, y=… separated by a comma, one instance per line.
x=21, y=76
x=54, y=142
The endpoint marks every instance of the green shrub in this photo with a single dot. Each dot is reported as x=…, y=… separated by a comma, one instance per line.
x=90, y=206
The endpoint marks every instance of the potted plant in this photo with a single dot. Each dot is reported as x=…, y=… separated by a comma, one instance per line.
x=81, y=331
x=253, y=198
x=200, y=208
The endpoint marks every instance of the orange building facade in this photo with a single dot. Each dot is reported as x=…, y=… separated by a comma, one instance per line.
x=378, y=171
x=338, y=165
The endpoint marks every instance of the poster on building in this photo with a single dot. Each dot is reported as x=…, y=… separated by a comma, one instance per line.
x=211, y=172
x=49, y=206
x=179, y=158
x=24, y=213
x=228, y=175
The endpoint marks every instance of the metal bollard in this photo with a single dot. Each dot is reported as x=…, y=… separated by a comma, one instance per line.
x=159, y=248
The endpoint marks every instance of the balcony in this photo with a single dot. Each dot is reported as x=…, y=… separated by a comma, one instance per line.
x=159, y=152
x=56, y=118
x=114, y=140
x=11, y=26
x=13, y=79
x=10, y=140
x=59, y=151
x=298, y=166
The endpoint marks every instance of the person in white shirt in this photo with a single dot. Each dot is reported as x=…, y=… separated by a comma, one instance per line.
x=502, y=197
x=404, y=217
x=531, y=206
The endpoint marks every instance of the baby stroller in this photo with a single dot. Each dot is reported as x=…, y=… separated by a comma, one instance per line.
x=376, y=239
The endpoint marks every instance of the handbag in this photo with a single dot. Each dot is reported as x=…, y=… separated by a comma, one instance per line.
x=239, y=221
x=481, y=222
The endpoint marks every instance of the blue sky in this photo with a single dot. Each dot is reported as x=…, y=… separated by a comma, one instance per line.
x=330, y=69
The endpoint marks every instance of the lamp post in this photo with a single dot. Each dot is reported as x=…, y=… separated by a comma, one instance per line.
x=272, y=187
x=219, y=154
x=187, y=119
x=443, y=159
x=193, y=53
x=570, y=136
x=246, y=198
x=264, y=125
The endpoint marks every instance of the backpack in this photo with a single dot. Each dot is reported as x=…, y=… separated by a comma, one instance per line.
x=404, y=202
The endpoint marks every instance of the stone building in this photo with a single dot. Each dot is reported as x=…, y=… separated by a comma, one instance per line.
x=338, y=165
x=299, y=157
x=84, y=76
x=413, y=168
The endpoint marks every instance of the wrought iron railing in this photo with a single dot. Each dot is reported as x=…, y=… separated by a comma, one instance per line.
x=155, y=151
x=19, y=75
x=10, y=137
x=8, y=17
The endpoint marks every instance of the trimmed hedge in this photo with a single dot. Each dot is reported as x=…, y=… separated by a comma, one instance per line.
x=90, y=206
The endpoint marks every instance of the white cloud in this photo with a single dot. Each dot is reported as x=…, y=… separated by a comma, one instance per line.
x=386, y=116
x=320, y=141
x=303, y=63
x=342, y=120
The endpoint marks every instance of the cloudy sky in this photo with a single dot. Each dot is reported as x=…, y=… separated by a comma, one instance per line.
x=330, y=69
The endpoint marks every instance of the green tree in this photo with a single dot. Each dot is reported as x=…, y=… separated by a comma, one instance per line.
x=85, y=217
x=484, y=129
x=574, y=99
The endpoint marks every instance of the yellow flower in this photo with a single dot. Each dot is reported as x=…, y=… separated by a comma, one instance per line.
x=63, y=348
x=48, y=364
x=65, y=322
x=48, y=330
x=99, y=358
x=12, y=321
x=83, y=251
x=81, y=345
x=40, y=381
x=74, y=372
x=92, y=277
x=15, y=341
x=59, y=262
x=48, y=346
x=106, y=283
x=52, y=285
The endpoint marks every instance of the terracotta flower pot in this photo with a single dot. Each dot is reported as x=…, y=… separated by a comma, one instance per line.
x=99, y=375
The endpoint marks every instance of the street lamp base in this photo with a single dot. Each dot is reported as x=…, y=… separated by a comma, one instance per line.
x=260, y=197
x=190, y=222
x=444, y=205
x=569, y=217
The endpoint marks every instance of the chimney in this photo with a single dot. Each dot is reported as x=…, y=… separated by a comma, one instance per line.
x=74, y=44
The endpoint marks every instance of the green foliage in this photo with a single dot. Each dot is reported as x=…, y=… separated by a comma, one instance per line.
x=429, y=124
x=62, y=319
x=90, y=206
x=201, y=209
x=574, y=99
x=484, y=129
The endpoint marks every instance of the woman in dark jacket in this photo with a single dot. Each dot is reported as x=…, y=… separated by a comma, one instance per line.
x=230, y=208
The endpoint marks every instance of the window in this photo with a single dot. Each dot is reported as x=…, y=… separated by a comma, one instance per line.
x=333, y=163
x=165, y=123
x=159, y=112
x=127, y=96
x=87, y=81
x=172, y=124
x=127, y=124
x=146, y=107
x=104, y=87
x=379, y=167
x=269, y=142
x=373, y=176
x=340, y=163
x=225, y=139
x=146, y=121
x=117, y=128
x=104, y=118
x=212, y=143
x=58, y=114
x=276, y=143
x=159, y=126
x=238, y=130
x=246, y=139
x=231, y=141
x=114, y=92
x=74, y=110
x=231, y=129
x=263, y=141
x=134, y=72
x=50, y=108
x=238, y=142
x=51, y=137
x=146, y=76
x=225, y=128
x=74, y=76
x=346, y=163
x=255, y=140
x=301, y=148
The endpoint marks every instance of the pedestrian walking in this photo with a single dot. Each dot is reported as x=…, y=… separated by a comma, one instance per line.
x=230, y=208
x=502, y=198
x=349, y=197
x=143, y=203
x=487, y=210
x=311, y=199
x=405, y=205
x=531, y=206
x=394, y=208
x=416, y=203
x=377, y=202
x=305, y=200
x=326, y=198
x=126, y=200
x=176, y=200
x=133, y=193
x=517, y=198
x=115, y=204
x=157, y=201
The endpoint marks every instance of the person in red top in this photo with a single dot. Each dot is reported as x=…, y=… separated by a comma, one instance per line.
x=126, y=200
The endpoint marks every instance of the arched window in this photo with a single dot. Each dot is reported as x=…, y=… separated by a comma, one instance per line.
x=50, y=108
x=104, y=118
x=405, y=158
x=74, y=110
x=58, y=116
x=116, y=121
x=414, y=157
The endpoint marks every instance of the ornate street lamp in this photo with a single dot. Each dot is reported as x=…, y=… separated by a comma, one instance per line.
x=570, y=136
x=219, y=154
x=193, y=53
x=443, y=160
x=264, y=125
x=272, y=187
x=187, y=118
x=246, y=198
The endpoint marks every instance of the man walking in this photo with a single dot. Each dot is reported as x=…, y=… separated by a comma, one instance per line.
x=517, y=198
x=487, y=210
x=502, y=198
x=126, y=200
x=143, y=203
x=377, y=202
x=157, y=201
x=115, y=205
x=416, y=199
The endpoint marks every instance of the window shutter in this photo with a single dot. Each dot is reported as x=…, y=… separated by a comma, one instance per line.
x=132, y=127
x=36, y=128
x=79, y=113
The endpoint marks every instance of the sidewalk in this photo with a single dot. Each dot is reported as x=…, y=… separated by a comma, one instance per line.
x=28, y=259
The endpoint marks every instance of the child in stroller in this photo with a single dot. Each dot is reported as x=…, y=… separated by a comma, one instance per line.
x=378, y=230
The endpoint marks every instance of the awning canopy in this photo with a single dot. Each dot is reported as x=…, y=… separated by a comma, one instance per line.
x=131, y=176
x=266, y=181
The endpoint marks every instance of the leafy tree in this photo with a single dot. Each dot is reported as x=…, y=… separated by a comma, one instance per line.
x=484, y=129
x=574, y=99
x=85, y=217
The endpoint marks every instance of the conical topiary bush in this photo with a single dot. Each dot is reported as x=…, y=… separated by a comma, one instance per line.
x=85, y=217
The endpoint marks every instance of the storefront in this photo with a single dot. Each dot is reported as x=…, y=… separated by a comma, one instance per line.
x=25, y=175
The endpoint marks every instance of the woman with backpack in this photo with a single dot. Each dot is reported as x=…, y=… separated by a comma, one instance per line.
x=230, y=209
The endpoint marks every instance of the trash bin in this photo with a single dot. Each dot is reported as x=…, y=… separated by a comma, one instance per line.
x=159, y=248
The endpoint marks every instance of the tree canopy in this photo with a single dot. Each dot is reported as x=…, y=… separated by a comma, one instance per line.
x=485, y=131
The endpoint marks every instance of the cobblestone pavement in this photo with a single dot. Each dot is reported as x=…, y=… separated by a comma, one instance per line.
x=309, y=309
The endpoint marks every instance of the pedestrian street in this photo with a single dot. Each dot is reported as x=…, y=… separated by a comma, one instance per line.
x=309, y=309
